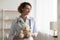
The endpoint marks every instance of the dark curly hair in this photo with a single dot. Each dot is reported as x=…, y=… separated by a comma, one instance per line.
x=22, y=5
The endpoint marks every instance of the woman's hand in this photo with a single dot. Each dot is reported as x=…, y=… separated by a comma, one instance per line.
x=16, y=38
x=26, y=33
x=34, y=34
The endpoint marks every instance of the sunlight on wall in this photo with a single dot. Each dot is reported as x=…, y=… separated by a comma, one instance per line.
x=46, y=12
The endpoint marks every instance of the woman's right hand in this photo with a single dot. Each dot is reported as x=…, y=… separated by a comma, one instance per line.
x=16, y=38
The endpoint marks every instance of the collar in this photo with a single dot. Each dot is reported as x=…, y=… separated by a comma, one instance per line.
x=21, y=20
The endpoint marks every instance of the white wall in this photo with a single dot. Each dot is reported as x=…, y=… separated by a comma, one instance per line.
x=46, y=12
x=9, y=4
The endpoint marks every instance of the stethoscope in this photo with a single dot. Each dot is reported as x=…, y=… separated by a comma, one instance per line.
x=19, y=21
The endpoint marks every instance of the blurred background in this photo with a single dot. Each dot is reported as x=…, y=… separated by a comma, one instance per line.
x=46, y=13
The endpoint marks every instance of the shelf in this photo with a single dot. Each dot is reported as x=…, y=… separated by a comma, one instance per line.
x=7, y=16
x=6, y=29
x=7, y=20
x=10, y=10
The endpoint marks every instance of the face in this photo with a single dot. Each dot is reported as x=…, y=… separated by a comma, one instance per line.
x=26, y=10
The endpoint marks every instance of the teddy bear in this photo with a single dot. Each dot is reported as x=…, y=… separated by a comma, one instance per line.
x=23, y=33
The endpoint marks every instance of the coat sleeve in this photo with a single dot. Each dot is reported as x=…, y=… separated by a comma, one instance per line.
x=13, y=30
x=35, y=28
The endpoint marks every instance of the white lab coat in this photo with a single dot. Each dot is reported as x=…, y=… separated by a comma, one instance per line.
x=17, y=23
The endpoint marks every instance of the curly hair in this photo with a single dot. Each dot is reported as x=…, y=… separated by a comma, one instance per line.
x=22, y=5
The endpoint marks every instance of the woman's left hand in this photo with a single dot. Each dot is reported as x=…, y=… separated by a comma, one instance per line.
x=27, y=33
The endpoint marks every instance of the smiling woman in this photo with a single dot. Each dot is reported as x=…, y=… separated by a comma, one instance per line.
x=24, y=9
x=9, y=12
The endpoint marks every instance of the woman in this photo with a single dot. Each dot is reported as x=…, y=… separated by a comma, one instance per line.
x=24, y=10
